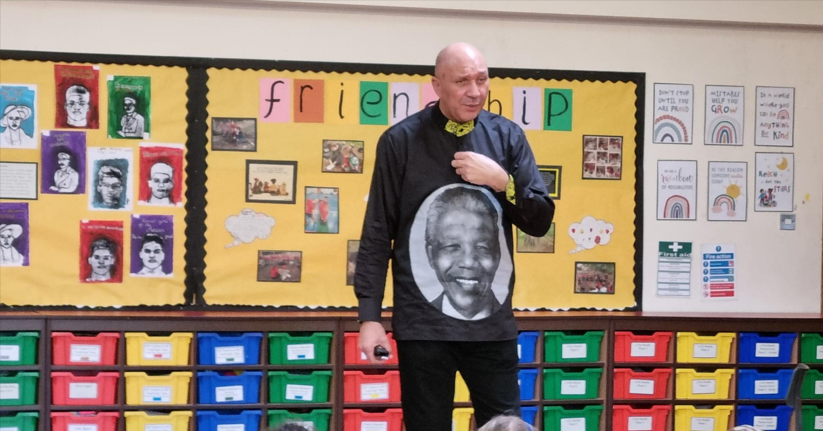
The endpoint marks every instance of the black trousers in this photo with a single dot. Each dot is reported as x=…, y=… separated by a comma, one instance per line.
x=427, y=373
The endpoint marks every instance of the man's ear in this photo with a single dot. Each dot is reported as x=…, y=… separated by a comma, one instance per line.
x=429, y=255
x=436, y=85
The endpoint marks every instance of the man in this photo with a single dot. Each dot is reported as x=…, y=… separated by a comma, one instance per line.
x=9, y=256
x=132, y=125
x=161, y=183
x=14, y=135
x=110, y=187
x=152, y=255
x=454, y=143
x=77, y=106
x=102, y=259
x=66, y=179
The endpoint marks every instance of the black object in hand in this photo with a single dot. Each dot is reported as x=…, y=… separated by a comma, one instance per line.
x=380, y=352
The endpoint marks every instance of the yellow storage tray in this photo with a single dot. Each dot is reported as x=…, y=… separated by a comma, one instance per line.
x=692, y=385
x=142, y=389
x=138, y=421
x=461, y=391
x=462, y=418
x=690, y=418
x=173, y=350
x=715, y=349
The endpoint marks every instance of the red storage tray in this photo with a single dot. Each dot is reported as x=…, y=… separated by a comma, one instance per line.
x=652, y=385
x=354, y=356
x=103, y=421
x=68, y=389
x=356, y=420
x=629, y=347
x=70, y=349
x=625, y=418
x=364, y=388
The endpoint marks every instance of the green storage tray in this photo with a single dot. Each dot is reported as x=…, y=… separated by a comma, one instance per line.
x=812, y=418
x=811, y=348
x=286, y=387
x=578, y=385
x=562, y=347
x=18, y=389
x=559, y=418
x=23, y=421
x=19, y=348
x=319, y=419
x=286, y=349
x=812, y=386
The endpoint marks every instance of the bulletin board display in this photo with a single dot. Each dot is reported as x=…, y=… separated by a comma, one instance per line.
x=290, y=159
x=92, y=184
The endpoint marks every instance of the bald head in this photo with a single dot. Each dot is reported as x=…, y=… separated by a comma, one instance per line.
x=456, y=53
x=461, y=80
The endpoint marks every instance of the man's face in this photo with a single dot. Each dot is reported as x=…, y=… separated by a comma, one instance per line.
x=465, y=256
x=152, y=255
x=6, y=238
x=63, y=161
x=110, y=188
x=462, y=86
x=14, y=120
x=77, y=107
x=128, y=105
x=160, y=185
x=101, y=261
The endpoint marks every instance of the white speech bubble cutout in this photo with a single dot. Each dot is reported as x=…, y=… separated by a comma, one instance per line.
x=248, y=226
x=590, y=232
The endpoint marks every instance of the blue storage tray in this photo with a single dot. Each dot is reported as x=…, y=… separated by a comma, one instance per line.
x=527, y=377
x=771, y=349
x=528, y=414
x=777, y=419
x=228, y=348
x=526, y=345
x=209, y=420
x=212, y=388
x=756, y=385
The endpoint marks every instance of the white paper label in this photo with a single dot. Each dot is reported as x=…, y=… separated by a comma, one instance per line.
x=231, y=427
x=702, y=424
x=82, y=427
x=704, y=386
x=519, y=351
x=157, y=350
x=643, y=387
x=12, y=353
x=705, y=350
x=820, y=352
x=158, y=427
x=574, y=351
x=640, y=423
x=767, y=350
x=299, y=352
x=9, y=391
x=573, y=424
x=766, y=386
x=82, y=390
x=818, y=422
x=80, y=353
x=300, y=392
x=642, y=350
x=572, y=387
x=374, y=391
x=9, y=429
x=765, y=423
x=818, y=387
x=374, y=426
x=223, y=394
x=156, y=394
x=363, y=356
x=229, y=355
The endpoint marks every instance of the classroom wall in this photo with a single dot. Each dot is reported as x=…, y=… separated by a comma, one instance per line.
x=778, y=271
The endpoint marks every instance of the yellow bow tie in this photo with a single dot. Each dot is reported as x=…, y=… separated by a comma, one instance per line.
x=459, y=129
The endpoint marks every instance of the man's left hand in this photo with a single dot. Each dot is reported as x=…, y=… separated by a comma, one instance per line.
x=480, y=170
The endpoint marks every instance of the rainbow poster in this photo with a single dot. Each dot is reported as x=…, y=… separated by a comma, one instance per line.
x=676, y=189
x=673, y=113
x=775, y=117
x=728, y=196
x=774, y=181
x=724, y=115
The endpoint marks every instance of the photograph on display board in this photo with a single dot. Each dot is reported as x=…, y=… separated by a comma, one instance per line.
x=18, y=124
x=271, y=181
x=279, y=266
x=594, y=277
x=552, y=178
x=322, y=210
x=602, y=157
x=161, y=174
x=110, y=181
x=14, y=234
x=234, y=134
x=343, y=156
x=129, y=107
x=77, y=97
x=63, y=161
x=101, y=251
x=531, y=244
x=152, y=245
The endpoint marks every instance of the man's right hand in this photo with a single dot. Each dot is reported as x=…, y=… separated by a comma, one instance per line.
x=372, y=334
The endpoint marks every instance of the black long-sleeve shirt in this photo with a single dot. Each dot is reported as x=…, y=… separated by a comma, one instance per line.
x=450, y=242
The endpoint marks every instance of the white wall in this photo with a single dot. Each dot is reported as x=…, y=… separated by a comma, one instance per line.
x=779, y=271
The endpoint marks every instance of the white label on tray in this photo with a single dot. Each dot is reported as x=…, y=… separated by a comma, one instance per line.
x=766, y=386
x=299, y=352
x=9, y=429
x=572, y=387
x=82, y=427
x=308, y=425
x=573, y=424
x=702, y=424
x=223, y=394
x=231, y=427
x=519, y=351
x=767, y=350
x=9, y=391
x=818, y=422
x=157, y=350
x=300, y=392
x=374, y=426
x=158, y=427
x=574, y=351
x=12, y=353
x=818, y=387
x=156, y=394
x=640, y=423
x=363, y=356
x=704, y=386
x=80, y=353
x=82, y=390
x=820, y=352
x=643, y=387
x=374, y=391
x=229, y=355
x=765, y=423
x=642, y=350
x=702, y=350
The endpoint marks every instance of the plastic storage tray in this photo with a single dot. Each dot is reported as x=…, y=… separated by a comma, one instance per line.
x=655, y=418
x=287, y=349
x=359, y=387
x=231, y=388
x=562, y=418
x=653, y=385
x=630, y=347
x=22, y=421
x=171, y=421
x=761, y=385
x=357, y=420
x=564, y=348
x=760, y=349
x=18, y=389
x=777, y=419
x=68, y=389
x=143, y=389
x=246, y=420
x=317, y=420
x=712, y=349
x=215, y=348
x=526, y=346
x=18, y=348
x=562, y=385
x=691, y=418
x=102, y=421
x=286, y=387
x=145, y=350
x=71, y=349
x=693, y=385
